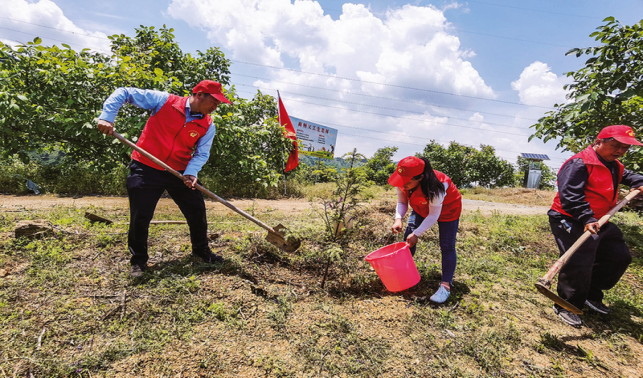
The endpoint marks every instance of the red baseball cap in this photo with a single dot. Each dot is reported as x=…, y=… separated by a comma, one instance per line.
x=212, y=88
x=622, y=133
x=407, y=168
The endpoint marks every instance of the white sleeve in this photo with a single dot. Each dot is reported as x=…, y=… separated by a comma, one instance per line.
x=402, y=204
x=435, y=208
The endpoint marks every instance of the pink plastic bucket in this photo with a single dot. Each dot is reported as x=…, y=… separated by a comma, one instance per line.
x=395, y=266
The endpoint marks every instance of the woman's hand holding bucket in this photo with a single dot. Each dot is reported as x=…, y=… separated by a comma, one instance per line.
x=411, y=240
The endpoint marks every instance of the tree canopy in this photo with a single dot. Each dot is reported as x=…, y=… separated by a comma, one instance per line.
x=467, y=166
x=50, y=98
x=380, y=167
x=608, y=90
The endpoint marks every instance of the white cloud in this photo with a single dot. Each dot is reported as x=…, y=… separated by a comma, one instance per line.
x=538, y=86
x=363, y=61
x=46, y=20
x=408, y=46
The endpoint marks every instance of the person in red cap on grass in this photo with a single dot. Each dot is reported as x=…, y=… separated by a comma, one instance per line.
x=587, y=189
x=179, y=132
x=433, y=198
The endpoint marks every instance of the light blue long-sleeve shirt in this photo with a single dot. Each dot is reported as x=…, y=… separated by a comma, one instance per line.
x=154, y=101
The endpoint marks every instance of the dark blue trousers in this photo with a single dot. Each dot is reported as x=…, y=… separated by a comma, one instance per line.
x=448, y=232
x=596, y=266
x=145, y=185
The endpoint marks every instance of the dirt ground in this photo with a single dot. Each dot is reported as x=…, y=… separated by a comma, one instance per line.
x=70, y=304
x=10, y=203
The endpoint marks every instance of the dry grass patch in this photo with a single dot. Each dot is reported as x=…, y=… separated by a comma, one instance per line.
x=520, y=196
x=69, y=309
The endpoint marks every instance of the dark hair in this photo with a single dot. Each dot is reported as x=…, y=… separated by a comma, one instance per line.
x=431, y=186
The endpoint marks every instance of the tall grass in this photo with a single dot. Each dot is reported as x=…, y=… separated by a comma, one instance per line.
x=67, y=177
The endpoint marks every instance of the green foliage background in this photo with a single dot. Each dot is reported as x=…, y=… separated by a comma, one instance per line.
x=50, y=98
x=608, y=90
x=468, y=166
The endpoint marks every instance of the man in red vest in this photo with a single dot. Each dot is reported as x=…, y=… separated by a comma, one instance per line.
x=179, y=132
x=587, y=189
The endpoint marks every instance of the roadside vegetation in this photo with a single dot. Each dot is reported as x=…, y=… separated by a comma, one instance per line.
x=68, y=307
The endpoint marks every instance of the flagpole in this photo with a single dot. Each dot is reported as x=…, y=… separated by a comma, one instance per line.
x=283, y=162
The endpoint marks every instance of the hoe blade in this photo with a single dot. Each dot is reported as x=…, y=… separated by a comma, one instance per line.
x=278, y=239
x=543, y=288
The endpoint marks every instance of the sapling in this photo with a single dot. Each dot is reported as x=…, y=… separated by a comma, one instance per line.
x=339, y=210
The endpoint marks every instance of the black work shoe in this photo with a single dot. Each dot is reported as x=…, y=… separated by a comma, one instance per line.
x=598, y=306
x=568, y=317
x=136, y=271
x=212, y=259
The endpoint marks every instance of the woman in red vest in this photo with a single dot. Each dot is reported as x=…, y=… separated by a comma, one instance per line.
x=587, y=189
x=433, y=198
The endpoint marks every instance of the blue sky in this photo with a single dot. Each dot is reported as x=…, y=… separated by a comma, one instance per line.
x=383, y=73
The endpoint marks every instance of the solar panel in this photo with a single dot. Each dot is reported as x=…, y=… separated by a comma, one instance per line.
x=534, y=156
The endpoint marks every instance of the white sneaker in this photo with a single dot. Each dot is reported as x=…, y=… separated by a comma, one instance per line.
x=441, y=295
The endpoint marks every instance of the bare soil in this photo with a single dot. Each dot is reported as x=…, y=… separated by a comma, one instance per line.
x=70, y=303
x=10, y=203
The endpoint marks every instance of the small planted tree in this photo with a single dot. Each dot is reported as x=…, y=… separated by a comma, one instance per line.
x=339, y=211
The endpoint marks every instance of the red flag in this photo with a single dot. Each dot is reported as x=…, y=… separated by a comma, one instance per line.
x=284, y=120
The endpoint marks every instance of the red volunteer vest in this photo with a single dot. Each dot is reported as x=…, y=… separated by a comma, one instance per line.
x=599, y=188
x=451, y=206
x=168, y=137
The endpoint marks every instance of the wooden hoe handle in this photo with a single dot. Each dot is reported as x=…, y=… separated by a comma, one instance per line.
x=197, y=186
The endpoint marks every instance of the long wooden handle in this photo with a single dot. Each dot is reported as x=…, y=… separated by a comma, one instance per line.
x=197, y=186
x=563, y=259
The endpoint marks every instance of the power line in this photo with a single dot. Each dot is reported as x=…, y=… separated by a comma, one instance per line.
x=383, y=98
x=404, y=135
x=400, y=117
x=382, y=107
x=510, y=38
x=326, y=75
x=397, y=134
x=389, y=85
x=57, y=40
x=71, y=43
x=50, y=27
x=533, y=10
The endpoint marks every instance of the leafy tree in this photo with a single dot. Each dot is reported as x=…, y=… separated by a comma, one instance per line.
x=314, y=173
x=338, y=163
x=547, y=178
x=51, y=96
x=380, y=167
x=249, y=147
x=451, y=161
x=608, y=90
x=468, y=167
x=490, y=171
x=61, y=91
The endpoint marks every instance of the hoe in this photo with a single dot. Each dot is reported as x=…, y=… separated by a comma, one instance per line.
x=544, y=283
x=276, y=235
